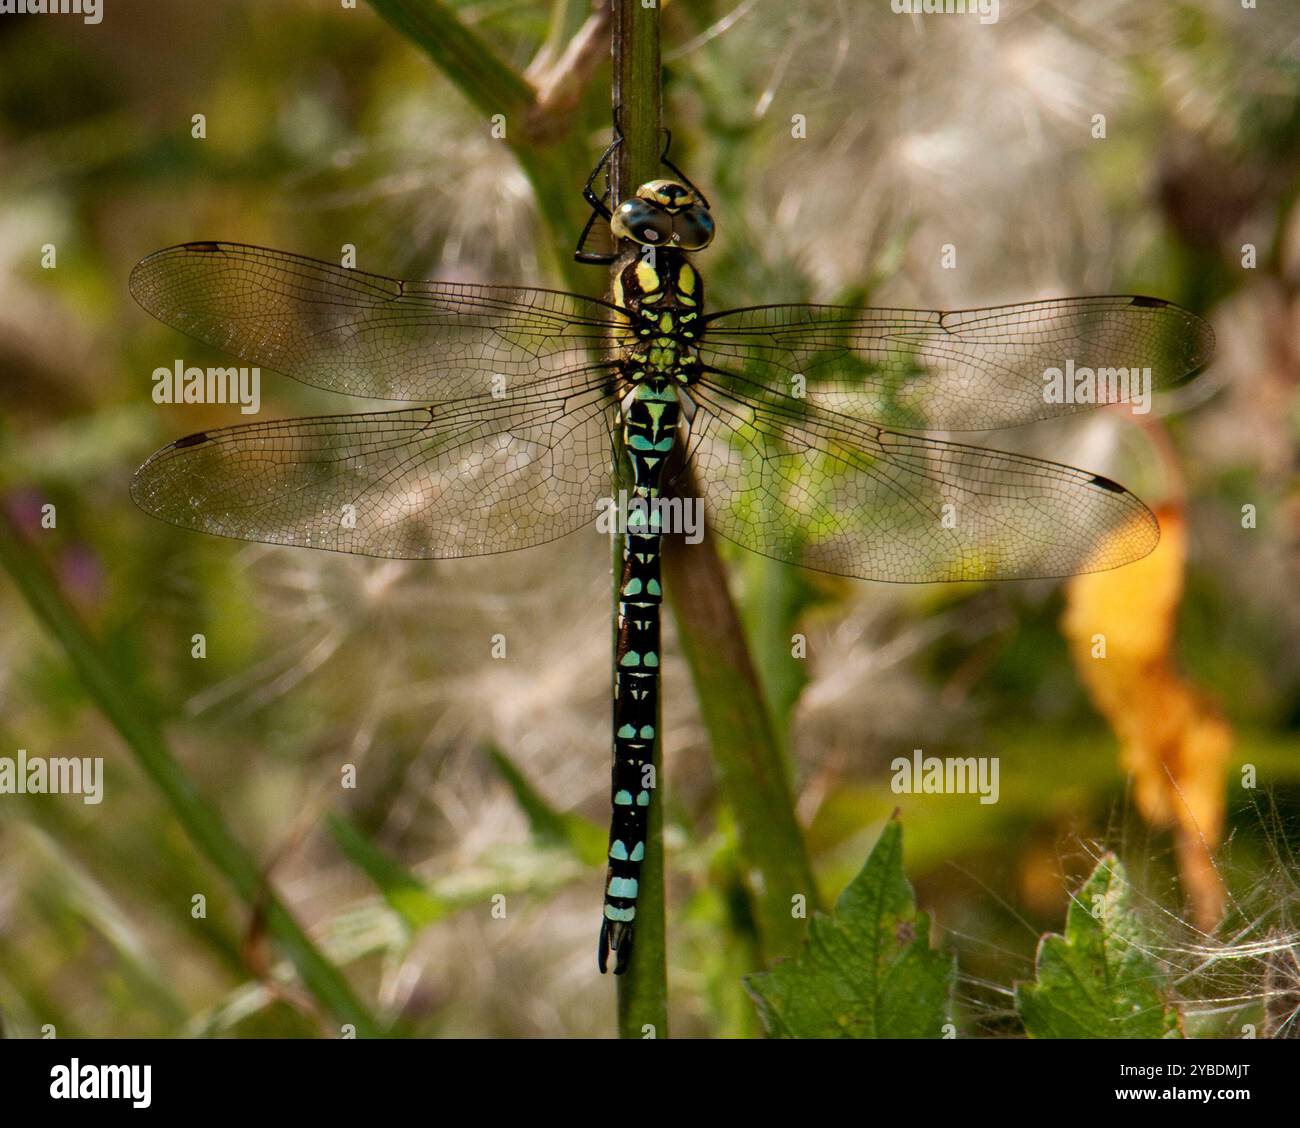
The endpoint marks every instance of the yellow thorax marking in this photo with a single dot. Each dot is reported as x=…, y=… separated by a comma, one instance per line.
x=647, y=277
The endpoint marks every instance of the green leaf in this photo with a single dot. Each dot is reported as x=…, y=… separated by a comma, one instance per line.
x=867, y=970
x=1097, y=981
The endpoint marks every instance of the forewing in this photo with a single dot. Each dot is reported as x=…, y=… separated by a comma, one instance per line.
x=970, y=370
x=367, y=335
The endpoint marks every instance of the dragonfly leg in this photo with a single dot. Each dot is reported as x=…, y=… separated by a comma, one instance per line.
x=599, y=208
x=663, y=157
x=597, y=203
x=599, y=258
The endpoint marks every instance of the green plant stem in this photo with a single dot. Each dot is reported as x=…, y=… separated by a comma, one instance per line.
x=465, y=58
x=751, y=766
x=547, y=147
x=643, y=990
x=134, y=721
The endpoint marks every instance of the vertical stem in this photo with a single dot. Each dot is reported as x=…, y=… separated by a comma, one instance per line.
x=643, y=990
x=752, y=770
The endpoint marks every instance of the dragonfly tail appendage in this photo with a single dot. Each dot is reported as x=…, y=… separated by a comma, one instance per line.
x=616, y=937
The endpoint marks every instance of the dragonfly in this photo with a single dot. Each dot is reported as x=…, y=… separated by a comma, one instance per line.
x=812, y=429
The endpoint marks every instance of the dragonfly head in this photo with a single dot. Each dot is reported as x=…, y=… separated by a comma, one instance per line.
x=664, y=213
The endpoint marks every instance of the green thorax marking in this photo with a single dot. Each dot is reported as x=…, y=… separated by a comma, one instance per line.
x=663, y=296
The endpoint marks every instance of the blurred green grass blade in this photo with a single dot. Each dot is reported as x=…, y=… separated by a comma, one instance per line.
x=867, y=970
x=405, y=893
x=133, y=719
x=1098, y=980
x=419, y=901
x=549, y=826
x=70, y=894
x=461, y=54
x=31, y=1003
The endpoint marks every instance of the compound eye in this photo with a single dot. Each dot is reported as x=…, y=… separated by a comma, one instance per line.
x=642, y=222
x=693, y=228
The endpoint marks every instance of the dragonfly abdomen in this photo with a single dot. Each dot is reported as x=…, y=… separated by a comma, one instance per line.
x=649, y=433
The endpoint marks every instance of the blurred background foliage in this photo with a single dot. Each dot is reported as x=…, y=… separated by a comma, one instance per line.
x=480, y=776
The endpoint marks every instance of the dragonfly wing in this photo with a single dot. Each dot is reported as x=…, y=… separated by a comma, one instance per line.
x=835, y=495
x=970, y=370
x=466, y=479
x=367, y=335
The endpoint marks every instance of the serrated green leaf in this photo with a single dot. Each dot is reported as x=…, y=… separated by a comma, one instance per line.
x=867, y=970
x=1098, y=980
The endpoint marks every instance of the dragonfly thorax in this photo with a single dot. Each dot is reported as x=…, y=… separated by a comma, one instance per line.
x=662, y=295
